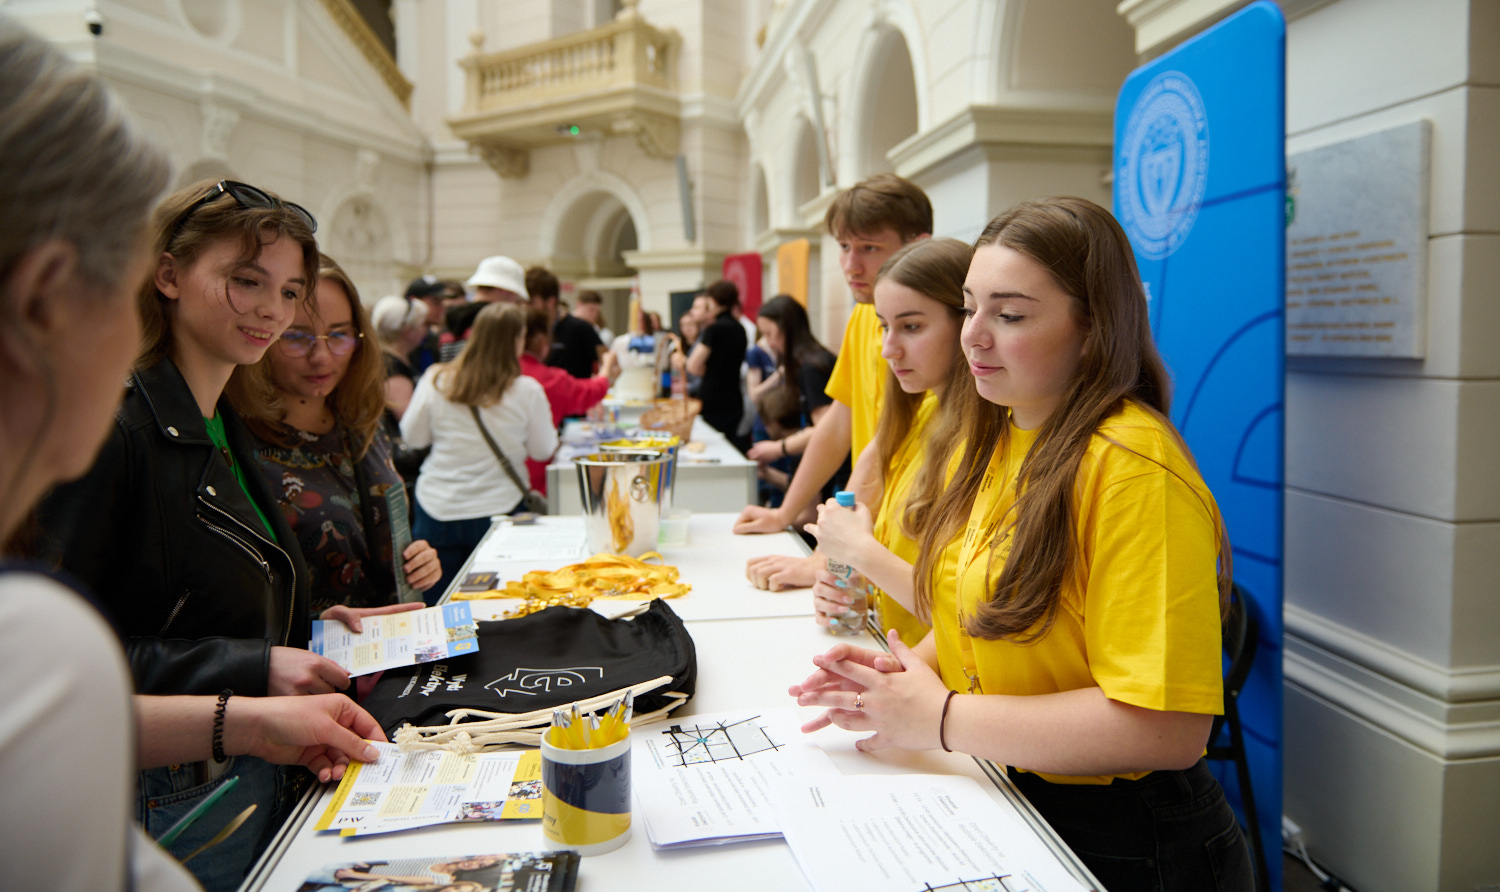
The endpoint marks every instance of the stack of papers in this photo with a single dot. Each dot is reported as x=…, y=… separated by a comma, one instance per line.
x=899, y=832
x=732, y=777
x=709, y=779
x=398, y=639
x=405, y=790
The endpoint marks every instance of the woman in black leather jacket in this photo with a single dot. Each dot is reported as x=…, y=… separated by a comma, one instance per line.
x=174, y=528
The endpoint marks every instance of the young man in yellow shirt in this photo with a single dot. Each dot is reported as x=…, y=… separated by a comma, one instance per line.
x=870, y=221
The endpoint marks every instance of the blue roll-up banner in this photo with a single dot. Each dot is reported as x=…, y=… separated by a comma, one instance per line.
x=1200, y=187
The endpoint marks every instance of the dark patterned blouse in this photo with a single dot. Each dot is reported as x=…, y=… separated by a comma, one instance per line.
x=317, y=488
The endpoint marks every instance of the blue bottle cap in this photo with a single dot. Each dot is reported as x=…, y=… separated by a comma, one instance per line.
x=845, y=498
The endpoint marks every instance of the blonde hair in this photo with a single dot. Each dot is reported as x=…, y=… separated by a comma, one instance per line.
x=75, y=167
x=489, y=362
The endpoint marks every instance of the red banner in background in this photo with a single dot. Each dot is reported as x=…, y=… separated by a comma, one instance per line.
x=744, y=270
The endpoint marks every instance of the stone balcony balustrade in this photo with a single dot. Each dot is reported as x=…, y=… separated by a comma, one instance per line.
x=620, y=78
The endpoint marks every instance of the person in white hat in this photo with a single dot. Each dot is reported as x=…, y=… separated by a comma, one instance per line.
x=499, y=279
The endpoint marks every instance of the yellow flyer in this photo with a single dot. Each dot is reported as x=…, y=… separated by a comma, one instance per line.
x=404, y=790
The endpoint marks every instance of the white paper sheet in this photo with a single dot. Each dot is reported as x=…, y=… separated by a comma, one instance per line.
x=708, y=779
x=548, y=543
x=908, y=832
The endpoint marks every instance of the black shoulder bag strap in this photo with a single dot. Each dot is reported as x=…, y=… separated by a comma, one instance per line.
x=504, y=462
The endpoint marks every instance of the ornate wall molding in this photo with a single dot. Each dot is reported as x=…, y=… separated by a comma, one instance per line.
x=219, y=123
x=510, y=162
x=353, y=25
x=658, y=135
x=993, y=126
x=1448, y=685
x=1469, y=731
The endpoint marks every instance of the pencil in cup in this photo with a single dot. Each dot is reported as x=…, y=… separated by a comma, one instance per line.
x=575, y=731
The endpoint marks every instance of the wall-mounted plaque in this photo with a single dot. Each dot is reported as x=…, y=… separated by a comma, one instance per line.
x=1356, y=251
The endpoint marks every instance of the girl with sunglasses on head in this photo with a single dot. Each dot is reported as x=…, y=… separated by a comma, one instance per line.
x=174, y=528
x=1080, y=642
x=919, y=302
x=314, y=404
x=77, y=179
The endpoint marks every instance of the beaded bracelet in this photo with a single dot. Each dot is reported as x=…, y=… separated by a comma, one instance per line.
x=224, y=696
x=942, y=733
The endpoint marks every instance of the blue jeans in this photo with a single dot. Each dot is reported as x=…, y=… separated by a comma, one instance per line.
x=166, y=794
x=1170, y=831
x=453, y=540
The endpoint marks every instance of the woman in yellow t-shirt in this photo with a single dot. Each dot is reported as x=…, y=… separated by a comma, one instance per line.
x=928, y=391
x=1091, y=667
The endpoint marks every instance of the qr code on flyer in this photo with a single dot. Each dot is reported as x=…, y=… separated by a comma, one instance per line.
x=365, y=799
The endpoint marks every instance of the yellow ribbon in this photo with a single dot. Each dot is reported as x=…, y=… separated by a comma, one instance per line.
x=609, y=576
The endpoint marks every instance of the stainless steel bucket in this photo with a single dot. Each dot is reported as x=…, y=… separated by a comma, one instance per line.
x=644, y=442
x=621, y=494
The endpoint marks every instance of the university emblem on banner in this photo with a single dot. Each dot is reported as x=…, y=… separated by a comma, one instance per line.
x=1163, y=164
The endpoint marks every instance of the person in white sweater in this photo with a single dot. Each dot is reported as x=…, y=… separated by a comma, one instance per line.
x=471, y=412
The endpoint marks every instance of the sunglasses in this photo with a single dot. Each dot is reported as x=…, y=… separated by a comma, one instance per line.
x=247, y=196
x=300, y=343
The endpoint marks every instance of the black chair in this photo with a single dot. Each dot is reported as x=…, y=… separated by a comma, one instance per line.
x=1240, y=634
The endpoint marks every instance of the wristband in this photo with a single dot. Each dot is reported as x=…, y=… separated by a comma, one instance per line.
x=942, y=734
x=782, y=444
x=224, y=696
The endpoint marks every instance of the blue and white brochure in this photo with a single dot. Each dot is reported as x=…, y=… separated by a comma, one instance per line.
x=398, y=639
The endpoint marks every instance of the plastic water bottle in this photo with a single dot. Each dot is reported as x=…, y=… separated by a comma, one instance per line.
x=852, y=620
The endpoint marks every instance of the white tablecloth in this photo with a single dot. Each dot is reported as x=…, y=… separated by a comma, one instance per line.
x=751, y=645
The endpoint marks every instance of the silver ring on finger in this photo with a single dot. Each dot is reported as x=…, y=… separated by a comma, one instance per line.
x=859, y=701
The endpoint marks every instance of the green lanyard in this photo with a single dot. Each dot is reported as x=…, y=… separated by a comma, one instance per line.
x=216, y=433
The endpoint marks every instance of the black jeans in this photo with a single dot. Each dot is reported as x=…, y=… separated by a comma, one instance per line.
x=1168, y=831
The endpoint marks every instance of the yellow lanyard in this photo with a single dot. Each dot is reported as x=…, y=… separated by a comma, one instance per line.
x=980, y=523
x=984, y=531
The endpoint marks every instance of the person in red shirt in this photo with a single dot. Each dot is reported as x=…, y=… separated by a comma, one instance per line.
x=567, y=395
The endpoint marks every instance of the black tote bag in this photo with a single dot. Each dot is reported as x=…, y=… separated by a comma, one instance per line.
x=547, y=659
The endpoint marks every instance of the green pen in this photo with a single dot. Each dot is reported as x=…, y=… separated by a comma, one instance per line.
x=198, y=811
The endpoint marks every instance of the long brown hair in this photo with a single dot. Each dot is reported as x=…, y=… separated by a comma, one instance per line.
x=489, y=363
x=187, y=235
x=1088, y=254
x=356, y=403
x=800, y=347
x=935, y=268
